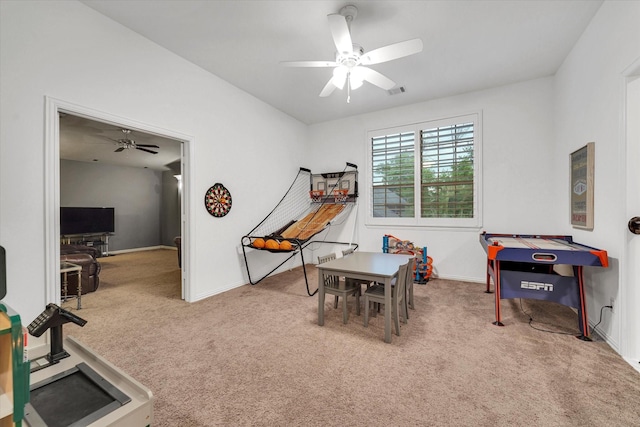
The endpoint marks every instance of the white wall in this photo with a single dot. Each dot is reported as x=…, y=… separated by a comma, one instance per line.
x=70, y=52
x=589, y=106
x=518, y=179
x=170, y=209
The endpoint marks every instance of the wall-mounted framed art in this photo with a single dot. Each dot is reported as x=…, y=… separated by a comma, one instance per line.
x=582, y=170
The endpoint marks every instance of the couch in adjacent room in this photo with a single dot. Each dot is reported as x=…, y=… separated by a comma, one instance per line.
x=86, y=257
x=178, y=242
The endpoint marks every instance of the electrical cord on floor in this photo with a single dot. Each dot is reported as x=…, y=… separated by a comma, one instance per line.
x=601, y=308
x=558, y=332
x=540, y=329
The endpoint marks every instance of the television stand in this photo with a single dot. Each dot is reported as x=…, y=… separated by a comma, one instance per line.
x=92, y=239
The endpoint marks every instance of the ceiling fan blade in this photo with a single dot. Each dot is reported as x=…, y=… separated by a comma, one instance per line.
x=391, y=52
x=108, y=139
x=147, y=145
x=375, y=78
x=308, y=63
x=328, y=89
x=340, y=33
x=119, y=150
x=336, y=82
x=144, y=149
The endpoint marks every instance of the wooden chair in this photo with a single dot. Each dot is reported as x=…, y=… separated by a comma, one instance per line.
x=408, y=303
x=348, y=251
x=340, y=288
x=376, y=294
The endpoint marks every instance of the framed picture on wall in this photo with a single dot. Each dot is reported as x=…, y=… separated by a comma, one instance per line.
x=582, y=169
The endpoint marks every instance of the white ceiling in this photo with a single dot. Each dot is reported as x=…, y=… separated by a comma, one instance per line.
x=468, y=45
x=86, y=140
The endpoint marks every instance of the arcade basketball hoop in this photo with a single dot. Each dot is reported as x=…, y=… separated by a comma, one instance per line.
x=316, y=195
x=341, y=195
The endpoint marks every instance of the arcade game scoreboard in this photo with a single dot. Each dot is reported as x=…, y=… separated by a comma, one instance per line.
x=522, y=267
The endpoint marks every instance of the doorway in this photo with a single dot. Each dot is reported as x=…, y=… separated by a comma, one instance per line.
x=54, y=108
x=630, y=316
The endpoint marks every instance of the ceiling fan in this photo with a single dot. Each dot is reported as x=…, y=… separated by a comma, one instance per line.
x=351, y=60
x=126, y=143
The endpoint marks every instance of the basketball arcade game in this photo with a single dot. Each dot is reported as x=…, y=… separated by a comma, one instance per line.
x=522, y=267
x=312, y=203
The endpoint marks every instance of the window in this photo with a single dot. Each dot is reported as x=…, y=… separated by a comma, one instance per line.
x=393, y=175
x=426, y=174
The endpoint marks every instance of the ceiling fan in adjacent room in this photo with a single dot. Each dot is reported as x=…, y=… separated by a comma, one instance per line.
x=351, y=63
x=126, y=142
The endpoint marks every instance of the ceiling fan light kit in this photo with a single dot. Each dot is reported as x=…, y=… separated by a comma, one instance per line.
x=351, y=59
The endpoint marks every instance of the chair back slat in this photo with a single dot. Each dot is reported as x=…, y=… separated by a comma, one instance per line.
x=401, y=282
x=325, y=258
x=329, y=281
x=409, y=276
x=348, y=251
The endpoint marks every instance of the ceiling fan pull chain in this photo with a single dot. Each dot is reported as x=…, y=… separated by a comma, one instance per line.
x=349, y=87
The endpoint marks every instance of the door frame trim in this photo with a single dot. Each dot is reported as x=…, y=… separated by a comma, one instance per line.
x=53, y=107
x=629, y=297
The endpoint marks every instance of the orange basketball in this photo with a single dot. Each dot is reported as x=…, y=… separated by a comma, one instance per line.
x=271, y=244
x=258, y=243
x=285, y=245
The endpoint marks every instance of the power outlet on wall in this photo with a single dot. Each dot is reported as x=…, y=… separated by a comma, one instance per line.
x=612, y=303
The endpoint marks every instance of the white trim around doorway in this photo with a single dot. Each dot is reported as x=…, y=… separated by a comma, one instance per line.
x=53, y=107
x=630, y=273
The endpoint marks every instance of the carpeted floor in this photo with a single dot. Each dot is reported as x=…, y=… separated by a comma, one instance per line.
x=256, y=356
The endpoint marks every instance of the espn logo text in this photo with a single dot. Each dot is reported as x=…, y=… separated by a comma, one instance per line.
x=536, y=286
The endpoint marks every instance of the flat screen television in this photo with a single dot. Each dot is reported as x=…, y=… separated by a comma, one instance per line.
x=78, y=220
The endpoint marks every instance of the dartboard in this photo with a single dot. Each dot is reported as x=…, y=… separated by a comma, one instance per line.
x=217, y=200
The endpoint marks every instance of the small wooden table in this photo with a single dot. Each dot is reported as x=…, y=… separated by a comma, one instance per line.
x=66, y=268
x=370, y=266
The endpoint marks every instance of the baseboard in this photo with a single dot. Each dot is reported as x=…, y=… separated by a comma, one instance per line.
x=635, y=363
x=218, y=291
x=148, y=248
x=457, y=278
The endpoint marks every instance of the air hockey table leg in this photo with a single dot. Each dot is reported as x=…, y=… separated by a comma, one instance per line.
x=488, y=291
x=583, y=319
x=496, y=285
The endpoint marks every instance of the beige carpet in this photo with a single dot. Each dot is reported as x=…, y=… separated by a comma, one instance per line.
x=256, y=356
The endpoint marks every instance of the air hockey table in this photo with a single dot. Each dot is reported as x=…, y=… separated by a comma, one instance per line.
x=522, y=267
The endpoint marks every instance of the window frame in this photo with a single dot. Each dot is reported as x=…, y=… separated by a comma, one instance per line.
x=416, y=128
